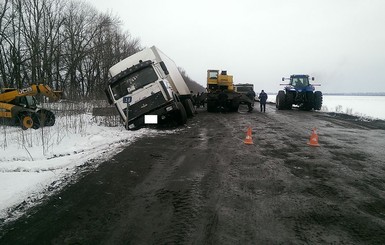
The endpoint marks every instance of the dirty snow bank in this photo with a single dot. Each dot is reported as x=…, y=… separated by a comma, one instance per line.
x=32, y=162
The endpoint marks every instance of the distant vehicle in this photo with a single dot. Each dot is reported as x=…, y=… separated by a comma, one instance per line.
x=299, y=92
x=243, y=88
x=147, y=88
x=221, y=93
x=20, y=107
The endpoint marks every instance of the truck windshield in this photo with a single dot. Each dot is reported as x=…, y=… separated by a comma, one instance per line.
x=133, y=82
x=244, y=89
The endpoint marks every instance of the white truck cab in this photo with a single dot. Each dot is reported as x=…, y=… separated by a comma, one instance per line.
x=155, y=87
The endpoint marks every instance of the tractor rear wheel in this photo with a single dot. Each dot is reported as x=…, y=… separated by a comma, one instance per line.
x=280, y=102
x=317, y=100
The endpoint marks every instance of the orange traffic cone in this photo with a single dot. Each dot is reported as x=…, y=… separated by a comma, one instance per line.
x=313, y=138
x=248, y=140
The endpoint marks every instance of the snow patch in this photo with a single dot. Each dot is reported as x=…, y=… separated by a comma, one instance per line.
x=34, y=163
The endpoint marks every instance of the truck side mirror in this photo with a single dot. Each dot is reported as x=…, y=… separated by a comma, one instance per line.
x=312, y=78
x=283, y=79
x=164, y=68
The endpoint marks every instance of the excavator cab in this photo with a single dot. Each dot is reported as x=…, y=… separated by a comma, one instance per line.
x=219, y=81
x=26, y=102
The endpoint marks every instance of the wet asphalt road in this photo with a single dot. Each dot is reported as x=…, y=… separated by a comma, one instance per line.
x=203, y=185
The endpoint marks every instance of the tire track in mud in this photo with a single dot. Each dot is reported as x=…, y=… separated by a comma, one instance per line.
x=183, y=192
x=244, y=185
x=334, y=186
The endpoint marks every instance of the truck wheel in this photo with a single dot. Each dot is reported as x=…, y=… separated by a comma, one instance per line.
x=234, y=107
x=280, y=100
x=25, y=121
x=189, y=107
x=182, y=115
x=317, y=100
x=211, y=106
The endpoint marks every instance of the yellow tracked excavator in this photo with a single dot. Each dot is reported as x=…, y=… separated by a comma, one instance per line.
x=19, y=106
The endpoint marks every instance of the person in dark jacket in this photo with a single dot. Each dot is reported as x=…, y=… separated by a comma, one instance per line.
x=262, y=100
x=251, y=95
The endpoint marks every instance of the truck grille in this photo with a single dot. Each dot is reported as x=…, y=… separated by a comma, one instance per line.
x=146, y=105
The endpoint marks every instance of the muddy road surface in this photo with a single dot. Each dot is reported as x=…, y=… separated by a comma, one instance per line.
x=203, y=185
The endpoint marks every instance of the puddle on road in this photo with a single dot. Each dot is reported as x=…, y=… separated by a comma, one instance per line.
x=203, y=139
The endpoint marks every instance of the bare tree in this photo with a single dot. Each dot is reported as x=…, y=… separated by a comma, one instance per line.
x=66, y=44
x=4, y=23
x=11, y=43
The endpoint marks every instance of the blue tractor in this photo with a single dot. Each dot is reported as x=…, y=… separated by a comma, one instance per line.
x=299, y=92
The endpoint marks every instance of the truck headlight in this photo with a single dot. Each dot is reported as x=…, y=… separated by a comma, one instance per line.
x=169, y=108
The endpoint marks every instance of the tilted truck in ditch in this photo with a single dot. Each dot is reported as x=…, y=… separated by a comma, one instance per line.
x=19, y=107
x=147, y=88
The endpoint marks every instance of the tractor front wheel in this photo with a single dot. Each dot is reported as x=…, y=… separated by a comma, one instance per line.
x=289, y=100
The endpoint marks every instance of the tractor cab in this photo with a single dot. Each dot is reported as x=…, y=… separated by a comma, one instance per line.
x=299, y=82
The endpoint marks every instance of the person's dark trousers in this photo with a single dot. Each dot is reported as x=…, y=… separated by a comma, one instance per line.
x=263, y=106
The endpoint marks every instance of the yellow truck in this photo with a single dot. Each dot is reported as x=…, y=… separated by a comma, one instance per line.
x=19, y=106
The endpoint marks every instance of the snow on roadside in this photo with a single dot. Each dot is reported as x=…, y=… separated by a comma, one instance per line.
x=32, y=160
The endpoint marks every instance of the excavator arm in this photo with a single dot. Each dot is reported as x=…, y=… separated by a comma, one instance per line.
x=18, y=106
x=45, y=90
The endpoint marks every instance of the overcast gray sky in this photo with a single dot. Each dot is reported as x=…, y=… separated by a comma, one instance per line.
x=339, y=42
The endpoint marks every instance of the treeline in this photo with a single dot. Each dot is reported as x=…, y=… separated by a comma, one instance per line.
x=358, y=94
x=65, y=44
x=193, y=86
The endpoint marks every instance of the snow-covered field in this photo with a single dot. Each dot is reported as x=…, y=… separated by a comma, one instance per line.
x=34, y=162
x=362, y=106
